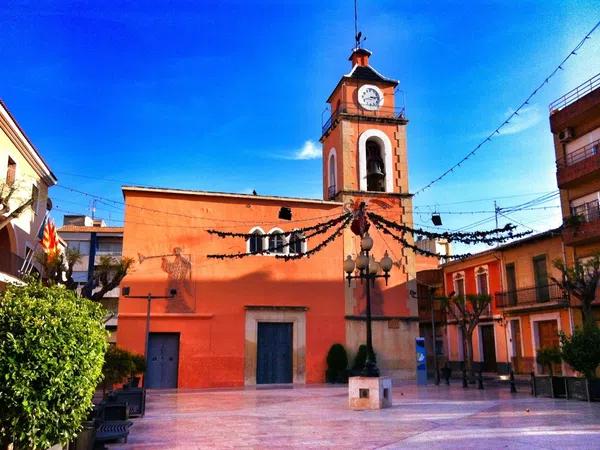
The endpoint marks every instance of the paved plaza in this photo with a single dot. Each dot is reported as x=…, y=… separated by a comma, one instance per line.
x=422, y=417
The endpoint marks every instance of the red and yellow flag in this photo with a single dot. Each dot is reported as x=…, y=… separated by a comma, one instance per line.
x=49, y=239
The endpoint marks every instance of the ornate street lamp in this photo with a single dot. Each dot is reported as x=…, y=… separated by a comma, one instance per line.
x=368, y=269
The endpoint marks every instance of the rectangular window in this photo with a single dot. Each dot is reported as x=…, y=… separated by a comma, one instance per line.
x=11, y=172
x=482, y=283
x=540, y=274
x=511, y=283
x=35, y=193
x=460, y=287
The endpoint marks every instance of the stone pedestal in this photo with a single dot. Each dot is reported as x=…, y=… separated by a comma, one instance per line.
x=369, y=392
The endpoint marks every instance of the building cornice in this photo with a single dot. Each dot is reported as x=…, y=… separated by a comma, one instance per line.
x=20, y=140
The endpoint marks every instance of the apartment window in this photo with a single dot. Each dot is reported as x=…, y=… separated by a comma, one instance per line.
x=481, y=277
x=511, y=283
x=109, y=247
x=11, y=171
x=459, y=284
x=35, y=193
x=540, y=274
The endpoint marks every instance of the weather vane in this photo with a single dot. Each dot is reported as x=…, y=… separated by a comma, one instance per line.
x=357, y=34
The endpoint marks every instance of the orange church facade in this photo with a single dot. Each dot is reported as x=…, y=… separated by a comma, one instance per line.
x=260, y=319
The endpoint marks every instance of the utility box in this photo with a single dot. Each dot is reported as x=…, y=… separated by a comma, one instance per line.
x=421, y=355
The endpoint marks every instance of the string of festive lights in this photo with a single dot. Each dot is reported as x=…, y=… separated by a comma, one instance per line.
x=514, y=114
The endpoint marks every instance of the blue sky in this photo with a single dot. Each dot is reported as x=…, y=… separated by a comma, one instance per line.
x=225, y=95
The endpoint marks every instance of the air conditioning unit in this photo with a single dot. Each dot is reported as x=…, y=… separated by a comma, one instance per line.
x=566, y=135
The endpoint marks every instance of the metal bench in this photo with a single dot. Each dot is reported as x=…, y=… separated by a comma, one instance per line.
x=112, y=423
x=135, y=399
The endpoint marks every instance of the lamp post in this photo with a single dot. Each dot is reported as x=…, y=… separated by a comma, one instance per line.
x=368, y=270
x=149, y=297
x=511, y=375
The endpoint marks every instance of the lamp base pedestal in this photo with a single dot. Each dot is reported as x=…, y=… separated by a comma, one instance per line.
x=369, y=393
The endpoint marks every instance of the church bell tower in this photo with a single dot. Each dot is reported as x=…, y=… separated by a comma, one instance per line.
x=364, y=139
x=365, y=160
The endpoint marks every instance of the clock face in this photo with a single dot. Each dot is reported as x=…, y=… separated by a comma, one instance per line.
x=370, y=97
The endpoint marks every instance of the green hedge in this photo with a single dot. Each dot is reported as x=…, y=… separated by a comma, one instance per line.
x=52, y=346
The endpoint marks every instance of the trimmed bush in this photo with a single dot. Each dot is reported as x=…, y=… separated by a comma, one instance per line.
x=52, y=346
x=547, y=356
x=582, y=350
x=361, y=358
x=337, y=364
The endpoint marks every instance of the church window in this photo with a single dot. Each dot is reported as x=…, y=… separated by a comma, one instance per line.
x=297, y=242
x=332, y=176
x=276, y=242
x=255, y=242
x=375, y=167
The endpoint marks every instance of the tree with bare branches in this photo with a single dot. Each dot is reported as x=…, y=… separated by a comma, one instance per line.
x=11, y=194
x=580, y=281
x=466, y=311
x=107, y=275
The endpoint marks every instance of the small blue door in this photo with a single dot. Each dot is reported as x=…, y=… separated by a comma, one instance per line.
x=274, y=356
x=163, y=360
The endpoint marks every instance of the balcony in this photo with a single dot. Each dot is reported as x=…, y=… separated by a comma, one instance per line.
x=579, y=107
x=384, y=114
x=575, y=94
x=10, y=264
x=581, y=165
x=584, y=224
x=536, y=296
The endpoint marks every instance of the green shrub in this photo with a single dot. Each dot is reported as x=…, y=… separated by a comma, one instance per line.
x=361, y=358
x=582, y=350
x=548, y=356
x=139, y=364
x=52, y=345
x=337, y=363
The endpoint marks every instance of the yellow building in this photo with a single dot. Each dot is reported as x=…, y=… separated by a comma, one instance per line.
x=23, y=171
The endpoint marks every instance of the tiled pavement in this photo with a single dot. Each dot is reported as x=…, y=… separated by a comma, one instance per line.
x=318, y=416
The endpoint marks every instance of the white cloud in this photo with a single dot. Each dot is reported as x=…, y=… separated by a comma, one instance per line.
x=528, y=117
x=310, y=150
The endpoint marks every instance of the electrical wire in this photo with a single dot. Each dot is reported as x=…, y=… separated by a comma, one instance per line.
x=511, y=116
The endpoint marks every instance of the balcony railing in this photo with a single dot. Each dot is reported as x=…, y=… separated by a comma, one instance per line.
x=575, y=94
x=588, y=212
x=11, y=264
x=580, y=154
x=350, y=109
x=530, y=296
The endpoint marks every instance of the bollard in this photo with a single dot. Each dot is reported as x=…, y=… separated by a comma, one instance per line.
x=480, y=380
x=513, y=387
x=532, y=375
x=437, y=376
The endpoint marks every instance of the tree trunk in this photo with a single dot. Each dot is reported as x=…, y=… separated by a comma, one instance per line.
x=469, y=357
x=586, y=312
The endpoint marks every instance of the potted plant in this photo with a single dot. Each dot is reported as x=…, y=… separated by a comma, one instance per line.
x=337, y=364
x=118, y=365
x=549, y=386
x=582, y=352
x=138, y=367
x=360, y=359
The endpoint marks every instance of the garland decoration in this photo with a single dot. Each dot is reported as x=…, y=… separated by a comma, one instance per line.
x=347, y=217
x=322, y=245
x=416, y=249
x=322, y=227
x=495, y=236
